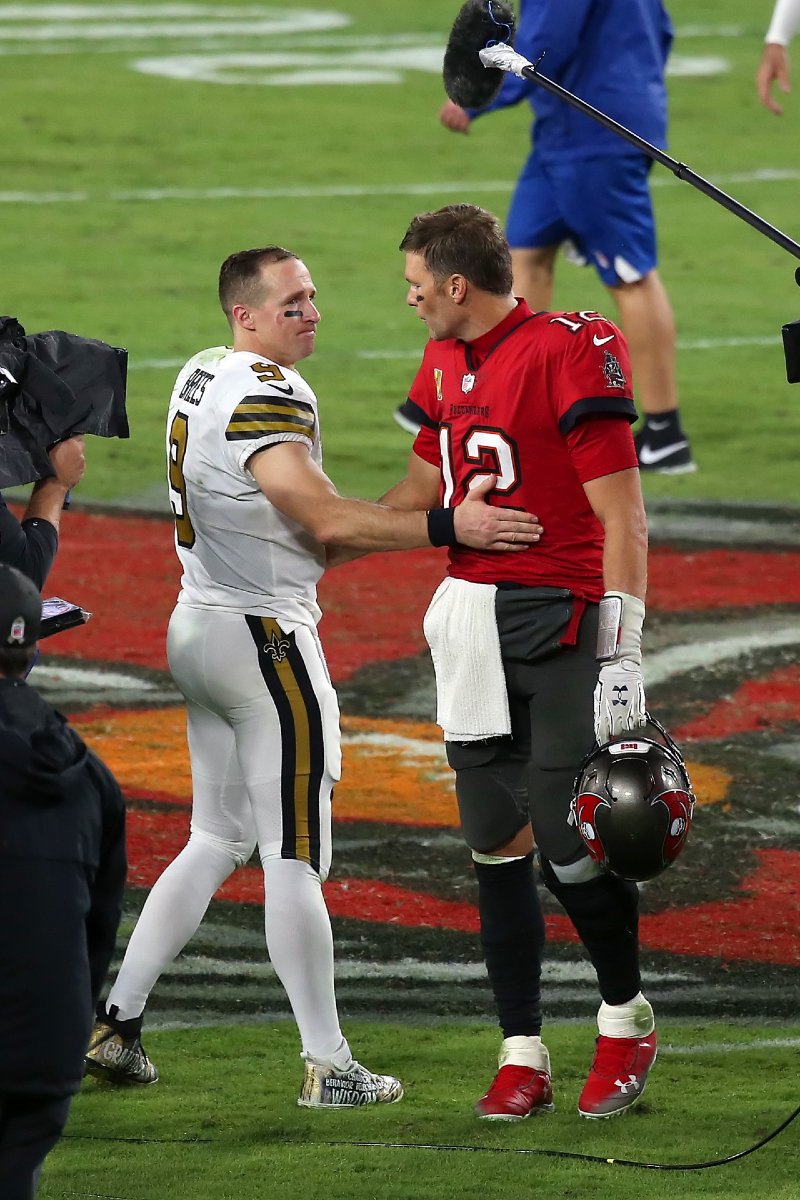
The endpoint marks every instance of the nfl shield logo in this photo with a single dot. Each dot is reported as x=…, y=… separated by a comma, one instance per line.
x=467, y=383
x=17, y=630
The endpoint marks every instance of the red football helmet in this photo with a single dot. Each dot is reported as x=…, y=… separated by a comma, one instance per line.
x=633, y=803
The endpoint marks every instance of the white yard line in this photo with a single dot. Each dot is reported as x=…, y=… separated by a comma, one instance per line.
x=733, y=343
x=787, y=1043
x=692, y=656
x=338, y=191
x=188, y=965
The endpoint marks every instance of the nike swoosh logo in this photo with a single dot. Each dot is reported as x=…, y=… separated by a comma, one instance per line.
x=648, y=457
x=598, y=341
x=657, y=426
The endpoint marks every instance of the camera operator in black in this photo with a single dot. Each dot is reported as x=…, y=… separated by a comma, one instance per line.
x=62, y=872
x=30, y=544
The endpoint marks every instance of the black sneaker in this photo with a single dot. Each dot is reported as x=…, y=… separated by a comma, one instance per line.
x=115, y=1051
x=665, y=450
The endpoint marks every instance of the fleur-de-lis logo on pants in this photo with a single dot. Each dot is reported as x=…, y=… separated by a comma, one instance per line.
x=277, y=648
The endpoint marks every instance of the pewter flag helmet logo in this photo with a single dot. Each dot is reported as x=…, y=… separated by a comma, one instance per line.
x=615, y=377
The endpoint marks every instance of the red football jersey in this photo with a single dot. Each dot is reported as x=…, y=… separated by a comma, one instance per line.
x=531, y=401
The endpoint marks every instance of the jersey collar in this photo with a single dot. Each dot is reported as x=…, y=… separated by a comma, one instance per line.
x=479, y=349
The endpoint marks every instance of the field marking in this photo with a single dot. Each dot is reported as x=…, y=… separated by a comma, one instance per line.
x=788, y=1043
x=555, y=972
x=296, y=66
x=125, y=22
x=733, y=343
x=689, y=656
x=86, y=677
x=342, y=191
x=81, y=683
x=405, y=968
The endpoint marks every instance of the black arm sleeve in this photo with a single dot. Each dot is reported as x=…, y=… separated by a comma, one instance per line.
x=29, y=546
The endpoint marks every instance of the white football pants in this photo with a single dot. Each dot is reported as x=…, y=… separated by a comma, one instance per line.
x=264, y=744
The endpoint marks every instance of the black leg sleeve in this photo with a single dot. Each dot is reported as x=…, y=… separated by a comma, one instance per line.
x=605, y=913
x=512, y=938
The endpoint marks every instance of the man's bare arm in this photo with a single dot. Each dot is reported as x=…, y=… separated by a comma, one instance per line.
x=418, y=489
x=47, y=498
x=292, y=481
x=617, y=503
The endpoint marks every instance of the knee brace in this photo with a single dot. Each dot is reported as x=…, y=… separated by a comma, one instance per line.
x=578, y=872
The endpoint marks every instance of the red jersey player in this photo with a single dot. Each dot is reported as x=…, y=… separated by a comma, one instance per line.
x=516, y=402
x=540, y=405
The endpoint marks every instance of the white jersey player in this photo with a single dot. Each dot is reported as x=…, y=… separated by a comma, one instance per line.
x=256, y=519
x=238, y=551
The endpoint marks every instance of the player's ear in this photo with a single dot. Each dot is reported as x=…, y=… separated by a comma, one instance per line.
x=241, y=316
x=457, y=289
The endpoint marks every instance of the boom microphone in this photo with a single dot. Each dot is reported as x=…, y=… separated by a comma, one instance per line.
x=479, y=53
x=480, y=23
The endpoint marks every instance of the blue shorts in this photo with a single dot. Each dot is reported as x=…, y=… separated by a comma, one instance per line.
x=601, y=205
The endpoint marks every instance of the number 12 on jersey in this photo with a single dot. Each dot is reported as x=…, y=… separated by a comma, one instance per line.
x=476, y=446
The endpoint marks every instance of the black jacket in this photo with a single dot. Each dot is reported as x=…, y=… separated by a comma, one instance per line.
x=28, y=545
x=62, y=872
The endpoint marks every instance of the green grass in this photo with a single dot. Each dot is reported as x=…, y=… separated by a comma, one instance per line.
x=225, y=1126
x=142, y=273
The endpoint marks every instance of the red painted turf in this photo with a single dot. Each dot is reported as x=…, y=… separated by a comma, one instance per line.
x=759, y=926
x=125, y=571
x=772, y=702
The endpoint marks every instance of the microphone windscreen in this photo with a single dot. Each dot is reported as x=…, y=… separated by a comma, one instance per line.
x=479, y=23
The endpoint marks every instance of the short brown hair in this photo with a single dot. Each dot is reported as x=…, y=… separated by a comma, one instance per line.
x=462, y=239
x=240, y=275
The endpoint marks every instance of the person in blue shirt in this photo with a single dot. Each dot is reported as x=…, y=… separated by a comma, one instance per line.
x=585, y=188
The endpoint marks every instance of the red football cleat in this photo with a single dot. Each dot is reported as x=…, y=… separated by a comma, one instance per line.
x=516, y=1093
x=617, y=1075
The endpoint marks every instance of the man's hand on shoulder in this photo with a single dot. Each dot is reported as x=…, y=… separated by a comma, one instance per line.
x=481, y=526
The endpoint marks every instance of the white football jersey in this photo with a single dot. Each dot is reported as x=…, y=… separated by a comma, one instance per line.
x=238, y=552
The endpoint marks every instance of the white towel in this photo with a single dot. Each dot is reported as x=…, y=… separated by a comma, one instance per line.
x=461, y=630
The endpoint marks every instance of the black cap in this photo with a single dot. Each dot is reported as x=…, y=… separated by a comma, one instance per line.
x=20, y=608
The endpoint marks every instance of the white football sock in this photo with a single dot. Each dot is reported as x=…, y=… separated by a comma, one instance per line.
x=171, y=914
x=522, y=1051
x=300, y=946
x=631, y=1020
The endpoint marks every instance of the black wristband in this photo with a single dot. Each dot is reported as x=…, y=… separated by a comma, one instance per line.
x=442, y=526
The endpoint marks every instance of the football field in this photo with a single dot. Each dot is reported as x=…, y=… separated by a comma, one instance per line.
x=144, y=142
